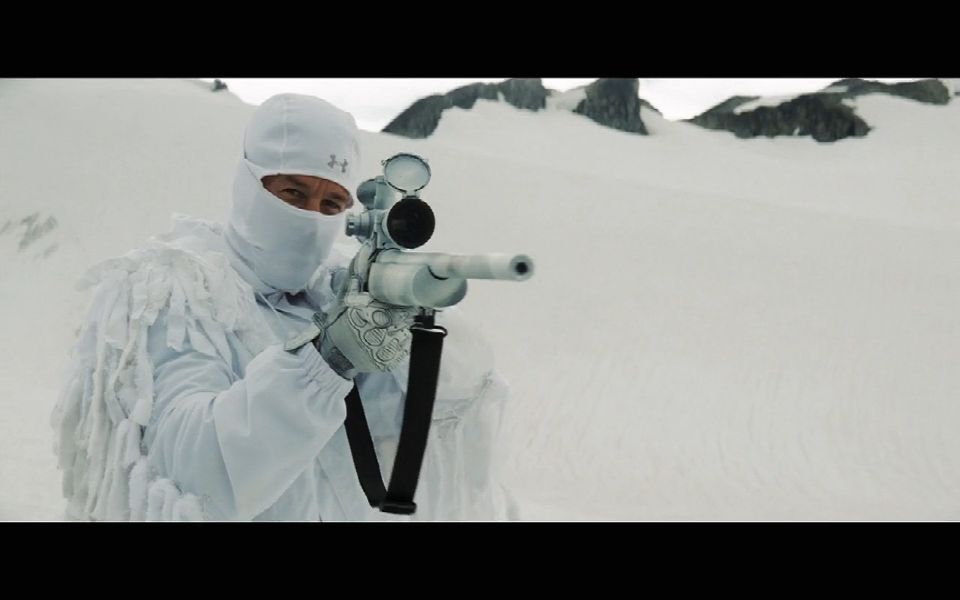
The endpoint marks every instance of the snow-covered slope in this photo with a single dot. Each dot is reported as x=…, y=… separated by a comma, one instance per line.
x=717, y=329
x=768, y=101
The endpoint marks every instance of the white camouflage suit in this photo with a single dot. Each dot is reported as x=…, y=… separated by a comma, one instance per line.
x=181, y=403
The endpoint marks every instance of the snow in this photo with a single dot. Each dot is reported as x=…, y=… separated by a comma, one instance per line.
x=567, y=100
x=762, y=101
x=717, y=329
x=836, y=89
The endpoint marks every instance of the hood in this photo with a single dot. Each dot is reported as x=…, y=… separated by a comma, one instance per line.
x=296, y=135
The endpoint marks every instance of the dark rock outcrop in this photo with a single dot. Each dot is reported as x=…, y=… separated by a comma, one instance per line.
x=931, y=91
x=821, y=115
x=614, y=103
x=423, y=116
x=524, y=93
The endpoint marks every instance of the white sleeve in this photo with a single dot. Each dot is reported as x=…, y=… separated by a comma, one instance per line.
x=239, y=443
x=461, y=477
x=466, y=364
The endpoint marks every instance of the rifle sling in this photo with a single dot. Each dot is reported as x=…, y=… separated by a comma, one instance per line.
x=425, y=350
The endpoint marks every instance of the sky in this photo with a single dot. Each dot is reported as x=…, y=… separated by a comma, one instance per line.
x=375, y=102
x=717, y=328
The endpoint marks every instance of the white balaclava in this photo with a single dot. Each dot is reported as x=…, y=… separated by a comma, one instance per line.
x=294, y=135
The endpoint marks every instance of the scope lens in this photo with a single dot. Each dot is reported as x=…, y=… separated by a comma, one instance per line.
x=410, y=223
x=406, y=172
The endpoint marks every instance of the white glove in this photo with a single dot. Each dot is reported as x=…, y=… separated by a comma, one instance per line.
x=353, y=331
x=363, y=335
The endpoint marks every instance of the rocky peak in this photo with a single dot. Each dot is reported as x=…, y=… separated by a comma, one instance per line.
x=614, y=103
x=822, y=115
x=423, y=116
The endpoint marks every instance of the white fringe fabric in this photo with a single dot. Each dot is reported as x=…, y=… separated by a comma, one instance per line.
x=108, y=397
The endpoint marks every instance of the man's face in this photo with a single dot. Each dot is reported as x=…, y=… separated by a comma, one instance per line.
x=309, y=193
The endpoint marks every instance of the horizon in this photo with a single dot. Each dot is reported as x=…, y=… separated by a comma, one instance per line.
x=374, y=102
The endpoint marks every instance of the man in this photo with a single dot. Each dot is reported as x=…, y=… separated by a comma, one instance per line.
x=182, y=401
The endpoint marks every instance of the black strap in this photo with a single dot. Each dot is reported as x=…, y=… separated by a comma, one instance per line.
x=425, y=350
x=361, y=447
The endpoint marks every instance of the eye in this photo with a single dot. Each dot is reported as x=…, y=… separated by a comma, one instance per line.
x=330, y=206
x=295, y=194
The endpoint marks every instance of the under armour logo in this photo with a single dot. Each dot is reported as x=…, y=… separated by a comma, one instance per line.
x=333, y=161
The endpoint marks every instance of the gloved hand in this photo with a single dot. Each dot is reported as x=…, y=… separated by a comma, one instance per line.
x=362, y=335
